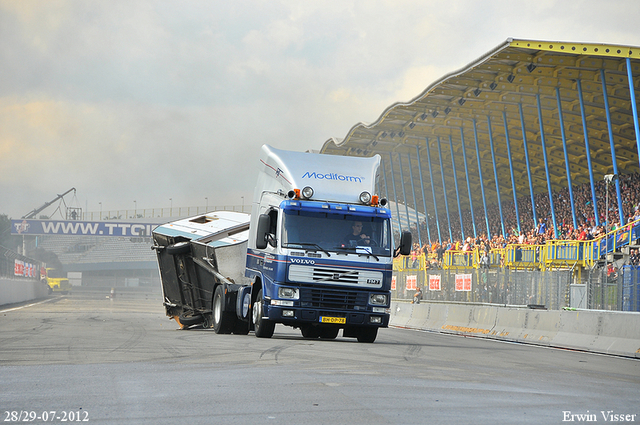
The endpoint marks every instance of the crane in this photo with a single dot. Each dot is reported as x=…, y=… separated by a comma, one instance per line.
x=33, y=213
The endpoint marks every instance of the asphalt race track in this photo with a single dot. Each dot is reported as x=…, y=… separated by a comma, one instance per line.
x=92, y=359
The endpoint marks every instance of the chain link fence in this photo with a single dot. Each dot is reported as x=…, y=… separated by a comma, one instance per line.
x=538, y=289
x=600, y=288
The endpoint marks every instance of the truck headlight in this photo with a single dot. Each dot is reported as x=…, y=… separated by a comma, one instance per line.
x=289, y=293
x=378, y=299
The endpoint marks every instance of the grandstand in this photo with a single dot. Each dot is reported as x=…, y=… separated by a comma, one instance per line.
x=106, y=261
x=533, y=134
x=528, y=118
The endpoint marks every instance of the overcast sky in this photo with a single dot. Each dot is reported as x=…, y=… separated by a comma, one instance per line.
x=149, y=101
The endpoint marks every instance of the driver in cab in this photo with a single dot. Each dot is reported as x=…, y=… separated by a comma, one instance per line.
x=356, y=237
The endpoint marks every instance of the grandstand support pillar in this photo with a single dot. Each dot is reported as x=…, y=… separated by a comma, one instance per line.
x=634, y=105
x=614, y=161
x=455, y=179
x=495, y=173
x=386, y=189
x=404, y=192
x=594, y=199
x=433, y=191
x=513, y=180
x=526, y=157
x=484, y=199
x=415, y=204
x=566, y=158
x=395, y=195
x=466, y=173
x=546, y=168
x=424, y=198
x=444, y=189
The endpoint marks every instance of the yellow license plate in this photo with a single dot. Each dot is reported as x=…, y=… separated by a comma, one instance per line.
x=338, y=320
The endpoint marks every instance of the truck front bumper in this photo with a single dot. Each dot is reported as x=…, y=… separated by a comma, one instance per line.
x=295, y=316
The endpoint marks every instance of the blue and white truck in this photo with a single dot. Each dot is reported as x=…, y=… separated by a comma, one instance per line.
x=316, y=253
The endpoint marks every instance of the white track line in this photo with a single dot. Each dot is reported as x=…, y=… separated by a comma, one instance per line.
x=28, y=305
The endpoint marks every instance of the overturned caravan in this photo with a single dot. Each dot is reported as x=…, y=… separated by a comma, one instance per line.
x=202, y=263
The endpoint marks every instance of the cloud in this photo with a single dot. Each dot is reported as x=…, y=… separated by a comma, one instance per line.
x=148, y=101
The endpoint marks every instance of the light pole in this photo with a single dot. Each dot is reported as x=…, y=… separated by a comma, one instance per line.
x=171, y=210
x=207, y=207
x=100, y=210
x=135, y=209
x=242, y=203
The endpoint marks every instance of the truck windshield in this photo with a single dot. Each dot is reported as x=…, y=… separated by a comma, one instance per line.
x=321, y=231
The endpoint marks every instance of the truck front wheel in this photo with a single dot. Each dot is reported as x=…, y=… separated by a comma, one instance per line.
x=263, y=327
x=367, y=334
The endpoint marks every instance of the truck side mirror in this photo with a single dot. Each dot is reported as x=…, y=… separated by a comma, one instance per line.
x=405, y=244
x=264, y=222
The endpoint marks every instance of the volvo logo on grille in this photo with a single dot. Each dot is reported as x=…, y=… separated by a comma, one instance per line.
x=336, y=276
x=302, y=261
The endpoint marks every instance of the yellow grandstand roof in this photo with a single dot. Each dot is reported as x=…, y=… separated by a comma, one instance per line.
x=516, y=82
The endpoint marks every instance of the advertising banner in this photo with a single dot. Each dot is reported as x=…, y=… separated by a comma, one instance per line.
x=463, y=282
x=393, y=283
x=434, y=282
x=412, y=283
x=81, y=228
x=25, y=269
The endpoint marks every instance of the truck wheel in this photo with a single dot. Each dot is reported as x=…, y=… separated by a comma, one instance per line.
x=329, y=333
x=191, y=318
x=367, y=335
x=179, y=248
x=263, y=327
x=223, y=322
x=310, y=331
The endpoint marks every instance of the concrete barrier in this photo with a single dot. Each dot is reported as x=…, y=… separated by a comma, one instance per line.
x=607, y=332
x=401, y=313
x=20, y=290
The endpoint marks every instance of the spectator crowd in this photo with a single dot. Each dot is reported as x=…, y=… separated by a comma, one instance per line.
x=531, y=233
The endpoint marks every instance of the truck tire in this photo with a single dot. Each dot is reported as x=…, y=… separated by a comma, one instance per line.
x=329, y=332
x=179, y=248
x=367, y=335
x=310, y=331
x=223, y=322
x=263, y=327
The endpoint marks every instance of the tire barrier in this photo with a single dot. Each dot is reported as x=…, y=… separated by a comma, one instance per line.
x=598, y=331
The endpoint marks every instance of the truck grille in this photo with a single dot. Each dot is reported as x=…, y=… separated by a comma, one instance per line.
x=329, y=299
x=335, y=276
